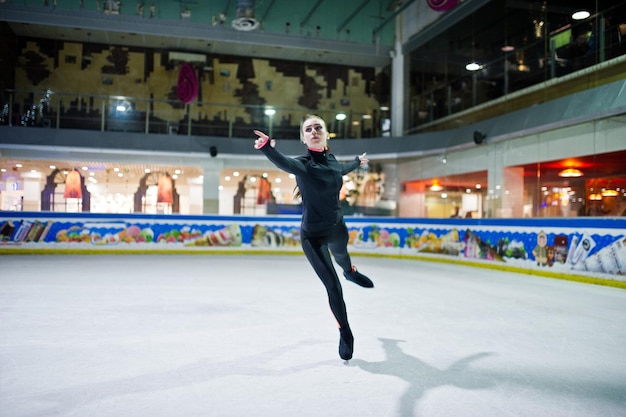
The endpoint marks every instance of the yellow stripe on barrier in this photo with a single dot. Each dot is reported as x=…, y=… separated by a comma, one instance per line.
x=494, y=266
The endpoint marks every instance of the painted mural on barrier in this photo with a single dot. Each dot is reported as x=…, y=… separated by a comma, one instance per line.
x=584, y=250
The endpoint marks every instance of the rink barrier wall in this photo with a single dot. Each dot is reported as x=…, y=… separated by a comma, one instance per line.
x=589, y=250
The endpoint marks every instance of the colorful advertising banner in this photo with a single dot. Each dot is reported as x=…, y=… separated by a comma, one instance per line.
x=594, y=247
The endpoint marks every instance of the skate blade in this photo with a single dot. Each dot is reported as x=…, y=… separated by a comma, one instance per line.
x=346, y=362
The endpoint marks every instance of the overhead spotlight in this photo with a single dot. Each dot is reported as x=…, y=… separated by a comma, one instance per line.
x=479, y=137
x=341, y=116
x=571, y=173
x=246, y=20
x=580, y=15
x=473, y=66
x=123, y=106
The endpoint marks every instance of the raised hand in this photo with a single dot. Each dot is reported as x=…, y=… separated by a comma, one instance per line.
x=363, y=159
x=261, y=139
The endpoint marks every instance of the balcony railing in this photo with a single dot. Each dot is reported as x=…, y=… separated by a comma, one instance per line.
x=567, y=51
x=66, y=110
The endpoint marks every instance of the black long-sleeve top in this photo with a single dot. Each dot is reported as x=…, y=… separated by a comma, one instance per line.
x=319, y=177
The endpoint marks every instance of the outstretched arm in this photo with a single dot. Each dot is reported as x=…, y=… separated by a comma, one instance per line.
x=359, y=161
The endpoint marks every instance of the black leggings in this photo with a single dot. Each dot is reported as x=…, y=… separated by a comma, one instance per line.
x=317, y=250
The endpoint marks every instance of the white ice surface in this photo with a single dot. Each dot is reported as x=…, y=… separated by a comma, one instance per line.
x=203, y=335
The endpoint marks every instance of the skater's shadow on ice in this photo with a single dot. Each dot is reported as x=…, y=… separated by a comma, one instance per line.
x=262, y=364
x=422, y=377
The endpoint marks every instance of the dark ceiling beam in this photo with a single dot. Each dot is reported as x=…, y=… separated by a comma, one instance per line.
x=390, y=18
x=351, y=16
x=225, y=11
x=538, y=7
x=267, y=11
x=200, y=38
x=308, y=16
x=449, y=19
x=393, y=5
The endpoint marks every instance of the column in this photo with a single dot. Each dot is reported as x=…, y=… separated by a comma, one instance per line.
x=391, y=192
x=512, y=192
x=505, y=195
x=210, y=188
x=399, y=94
x=32, y=191
x=196, y=195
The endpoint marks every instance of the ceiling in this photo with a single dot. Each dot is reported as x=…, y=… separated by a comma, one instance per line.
x=354, y=32
x=350, y=32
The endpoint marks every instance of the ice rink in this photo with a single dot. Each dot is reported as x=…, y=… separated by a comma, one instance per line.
x=232, y=335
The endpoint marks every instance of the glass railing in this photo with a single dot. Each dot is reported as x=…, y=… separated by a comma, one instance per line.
x=564, y=52
x=67, y=110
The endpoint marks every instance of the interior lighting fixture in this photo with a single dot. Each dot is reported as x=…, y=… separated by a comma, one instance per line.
x=123, y=106
x=609, y=193
x=270, y=112
x=436, y=186
x=507, y=48
x=580, y=14
x=570, y=173
x=473, y=66
x=341, y=116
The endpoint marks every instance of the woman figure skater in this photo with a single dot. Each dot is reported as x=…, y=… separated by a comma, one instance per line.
x=319, y=177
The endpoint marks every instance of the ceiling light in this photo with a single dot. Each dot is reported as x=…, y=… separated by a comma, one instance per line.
x=508, y=48
x=270, y=112
x=123, y=106
x=571, y=173
x=473, y=66
x=341, y=116
x=580, y=15
x=610, y=193
x=436, y=186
